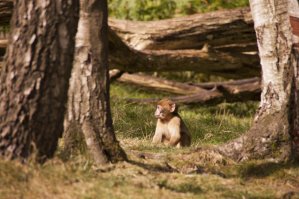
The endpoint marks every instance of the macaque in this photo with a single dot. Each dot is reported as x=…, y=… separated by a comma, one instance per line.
x=170, y=129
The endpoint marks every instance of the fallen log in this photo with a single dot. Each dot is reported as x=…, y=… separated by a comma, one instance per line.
x=206, y=60
x=210, y=85
x=160, y=84
x=228, y=30
x=197, y=29
x=200, y=98
x=220, y=29
x=230, y=91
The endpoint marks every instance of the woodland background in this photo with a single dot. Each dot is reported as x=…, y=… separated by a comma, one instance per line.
x=159, y=171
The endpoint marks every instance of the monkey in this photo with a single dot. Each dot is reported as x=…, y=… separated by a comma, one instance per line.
x=170, y=129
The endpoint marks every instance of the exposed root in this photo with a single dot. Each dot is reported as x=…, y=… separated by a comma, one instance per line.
x=268, y=138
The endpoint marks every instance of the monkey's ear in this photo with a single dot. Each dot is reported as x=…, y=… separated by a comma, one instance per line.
x=172, y=108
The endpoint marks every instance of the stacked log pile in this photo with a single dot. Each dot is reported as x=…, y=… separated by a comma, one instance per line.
x=220, y=43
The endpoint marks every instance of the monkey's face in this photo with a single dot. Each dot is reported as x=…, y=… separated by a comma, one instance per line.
x=165, y=109
x=161, y=113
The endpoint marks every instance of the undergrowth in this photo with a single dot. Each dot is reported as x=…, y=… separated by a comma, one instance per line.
x=145, y=10
x=157, y=171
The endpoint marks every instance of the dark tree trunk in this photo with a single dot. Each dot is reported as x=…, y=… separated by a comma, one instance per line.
x=6, y=7
x=294, y=19
x=88, y=106
x=35, y=78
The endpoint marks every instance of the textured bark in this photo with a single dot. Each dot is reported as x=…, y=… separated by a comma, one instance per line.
x=88, y=106
x=205, y=60
x=270, y=135
x=294, y=19
x=224, y=40
x=34, y=80
x=228, y=44
x=224, y=29
x=228, y=30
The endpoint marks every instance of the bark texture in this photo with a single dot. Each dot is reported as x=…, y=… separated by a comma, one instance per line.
x=228, y=30
x=223, y=43
x=224, y=29
x=294, y=19
x=88, y=106
x=270, y=135
x=205, y=60
x=34, y=80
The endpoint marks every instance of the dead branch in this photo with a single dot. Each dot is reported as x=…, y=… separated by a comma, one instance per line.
x=160, y=84
x=239, y=90
x=206, y=60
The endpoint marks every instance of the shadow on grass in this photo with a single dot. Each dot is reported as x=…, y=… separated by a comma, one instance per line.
x=261, y=170
x=154, y=167
x=184, y=187
x=181, y=188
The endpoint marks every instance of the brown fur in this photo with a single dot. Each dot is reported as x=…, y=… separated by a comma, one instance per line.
x=170, y=129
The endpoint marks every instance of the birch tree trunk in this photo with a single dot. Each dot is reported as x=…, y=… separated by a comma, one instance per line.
x=273, y=130
x=34, y=80
x=88, y=106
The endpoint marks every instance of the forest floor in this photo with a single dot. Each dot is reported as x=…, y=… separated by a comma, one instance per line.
x=157, y=171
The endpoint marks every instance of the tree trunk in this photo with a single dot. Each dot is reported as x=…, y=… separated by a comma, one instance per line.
x=88, y=106
x=294, y=18
x=270, y=135
x=34, y=80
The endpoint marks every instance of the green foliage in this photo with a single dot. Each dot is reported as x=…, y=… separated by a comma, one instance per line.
x=145, y=10
x=193, y=6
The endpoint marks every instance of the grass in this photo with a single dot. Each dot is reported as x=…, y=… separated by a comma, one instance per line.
x=171, y=173
x=208, y=124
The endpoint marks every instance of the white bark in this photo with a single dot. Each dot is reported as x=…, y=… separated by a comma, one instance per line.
x=274, y=39
x=272, y=133
x=79, y=106
x=88, y=103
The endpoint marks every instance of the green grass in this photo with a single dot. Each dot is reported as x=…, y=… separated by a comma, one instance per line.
x=207, y=124
x=171, y=173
